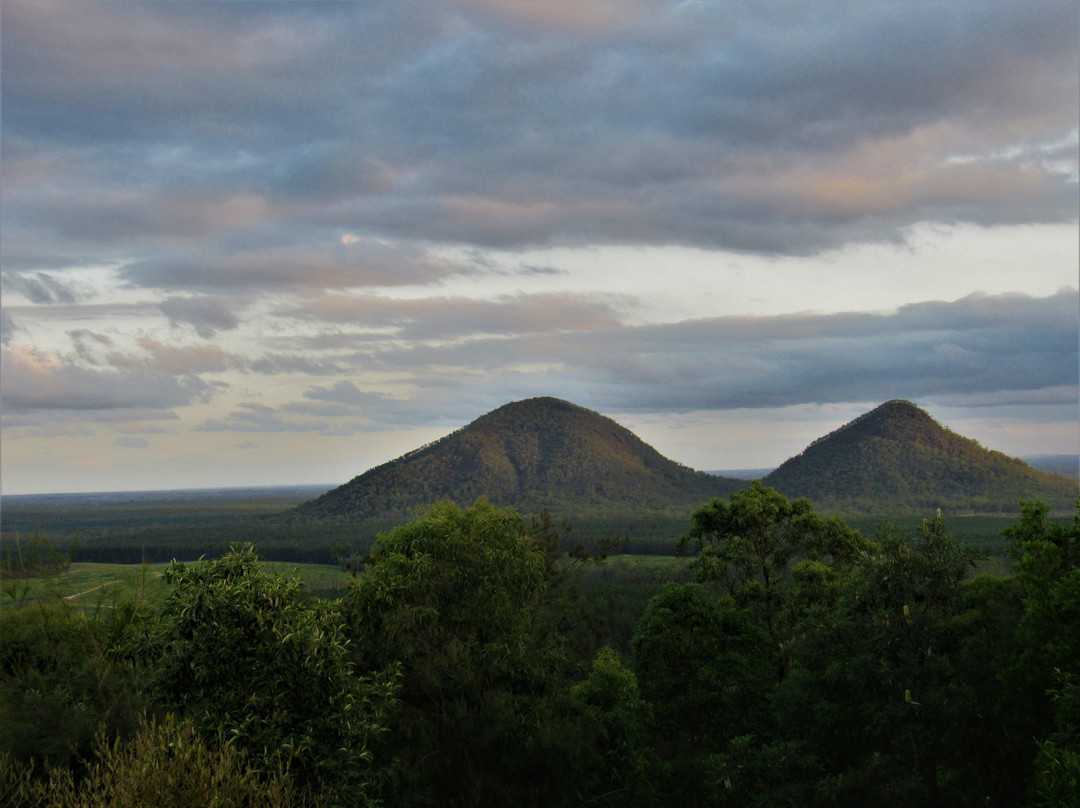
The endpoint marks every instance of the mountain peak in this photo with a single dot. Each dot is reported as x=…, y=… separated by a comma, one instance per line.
x=898, y=454
x=534, y=453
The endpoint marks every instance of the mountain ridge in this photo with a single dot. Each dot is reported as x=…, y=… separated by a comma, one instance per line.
x=536, y=453
x=549, y=453
x=898, y=453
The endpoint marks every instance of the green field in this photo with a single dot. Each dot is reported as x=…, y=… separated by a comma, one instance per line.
x=91, y=586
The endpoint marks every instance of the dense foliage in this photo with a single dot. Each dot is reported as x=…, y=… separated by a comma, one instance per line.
x=806, y=665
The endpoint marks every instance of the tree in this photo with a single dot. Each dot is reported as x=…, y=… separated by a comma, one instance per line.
x=63, y=673
x=773, y=555
x=699, y=663
x=613, y=733
x=241, y=655
x=455, y=597
x=165, y=764
x=1047, y=676
x=900, y=628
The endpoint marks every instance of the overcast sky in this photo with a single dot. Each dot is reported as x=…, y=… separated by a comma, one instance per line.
x=250, y=243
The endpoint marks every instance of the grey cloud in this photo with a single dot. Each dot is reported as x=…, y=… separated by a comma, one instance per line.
x=42, y=288
x=260, y=418
x=1046, y=396
x=345, y=393
x=529, y=269
x=35, y=381
x=137, y=428
x=974, y=347
x=206, y=314
x=274, y=363
x=131, y=442
x=442, y=318
x=8, y=327
x=87, y=343
x=324, y=409
x=177, y=360
x=22, y=427
x=767, y=127
x=376, y=411
x=72, y=422
x=351, y=262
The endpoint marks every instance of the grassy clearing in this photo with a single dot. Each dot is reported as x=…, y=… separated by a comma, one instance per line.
x=88, y=586
x=91, y=586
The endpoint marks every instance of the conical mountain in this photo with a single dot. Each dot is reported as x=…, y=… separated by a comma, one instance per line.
x=532, y=454
x=896, y=457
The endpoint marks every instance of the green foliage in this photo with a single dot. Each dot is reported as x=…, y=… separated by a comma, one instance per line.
x=63, y=674
x=1057, y=767
x=1047, y=571
x=238, y=651
x=705, y=667
x=702, y=663
x=807, y=667
x=165, y=765
x=899, y=625
x=773, y=555
x=613, y=732
x=456, y=598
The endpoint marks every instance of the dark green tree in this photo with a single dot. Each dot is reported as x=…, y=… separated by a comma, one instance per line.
x=1047, y=679
x=614, y=748
x=773, y=555
x=699, y=664
x=64, y=673
x=237, y=652
x=456, y=598
x=901, y=633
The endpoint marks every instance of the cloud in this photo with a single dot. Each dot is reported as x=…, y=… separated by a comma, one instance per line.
x=36, y=380
x=592, y=17
x=42, y=288
x=254, y=417
x=276, y=363
x=185, y=361
x=977, y=346
x=321, y=409
x=445, y=318
x=368, y=263
x=131, y=442
x=790, y=128
x=138, y=428
x=345, y=393
x=8, y=327
x=206, y=314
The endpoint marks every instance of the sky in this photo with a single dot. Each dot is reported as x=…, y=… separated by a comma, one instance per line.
x=278, y=243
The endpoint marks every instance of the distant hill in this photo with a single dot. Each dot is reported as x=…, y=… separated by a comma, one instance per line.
x=741, y=474
x=1063, y=464
x=532, y=454
x=896, y=457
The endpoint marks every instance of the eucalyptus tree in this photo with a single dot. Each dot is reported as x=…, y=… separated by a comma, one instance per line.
x=774, y=556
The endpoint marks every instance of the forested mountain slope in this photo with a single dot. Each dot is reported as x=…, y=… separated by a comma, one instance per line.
x=532, y=454
x=898, y=456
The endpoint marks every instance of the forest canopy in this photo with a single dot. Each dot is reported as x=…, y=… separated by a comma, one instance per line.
x=806, y=664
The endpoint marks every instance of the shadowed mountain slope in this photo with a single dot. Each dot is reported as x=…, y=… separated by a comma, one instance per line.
x=896, y=457
x=532, y=454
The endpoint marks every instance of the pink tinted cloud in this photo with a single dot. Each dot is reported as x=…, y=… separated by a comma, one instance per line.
x=162, y=358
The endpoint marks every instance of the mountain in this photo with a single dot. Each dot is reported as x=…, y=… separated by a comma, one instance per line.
x=896, y=457
x=532, y=454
